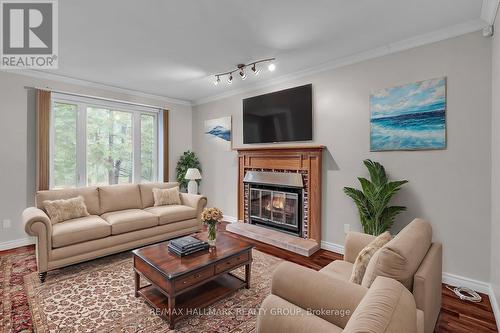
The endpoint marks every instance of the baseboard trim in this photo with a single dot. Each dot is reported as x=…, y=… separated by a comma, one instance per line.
x=8, y=245
x=337, y=248
x=462, y=281
x=229, y=219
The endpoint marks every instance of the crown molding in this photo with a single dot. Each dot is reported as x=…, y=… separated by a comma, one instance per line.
x=489, y=11
x=91, y=84
x=406, y=44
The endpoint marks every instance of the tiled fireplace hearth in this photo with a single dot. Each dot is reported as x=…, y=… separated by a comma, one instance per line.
x=279, y=197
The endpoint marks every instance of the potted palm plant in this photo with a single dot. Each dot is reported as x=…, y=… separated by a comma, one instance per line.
x=373, y=199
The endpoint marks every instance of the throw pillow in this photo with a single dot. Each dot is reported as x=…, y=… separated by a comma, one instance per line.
x=65, y=209
x=365, y=255
x=166, y=196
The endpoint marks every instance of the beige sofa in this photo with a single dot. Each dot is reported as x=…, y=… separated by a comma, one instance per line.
x=304, y=300
x=122, y=217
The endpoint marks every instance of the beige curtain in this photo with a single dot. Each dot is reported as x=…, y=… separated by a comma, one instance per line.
x=42, y=136
x=165, y=146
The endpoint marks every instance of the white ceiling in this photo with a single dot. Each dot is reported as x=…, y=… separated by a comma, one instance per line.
x=172, y=48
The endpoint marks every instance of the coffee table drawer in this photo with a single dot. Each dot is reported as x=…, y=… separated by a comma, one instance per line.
x=193, y=278
x=231, y=262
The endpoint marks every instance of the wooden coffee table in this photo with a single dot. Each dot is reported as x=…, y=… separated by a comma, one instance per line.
x=180, y=284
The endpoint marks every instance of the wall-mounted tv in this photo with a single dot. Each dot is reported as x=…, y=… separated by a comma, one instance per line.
x=280, y=116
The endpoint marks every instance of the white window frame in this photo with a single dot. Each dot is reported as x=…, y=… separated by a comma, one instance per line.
x=82, y=103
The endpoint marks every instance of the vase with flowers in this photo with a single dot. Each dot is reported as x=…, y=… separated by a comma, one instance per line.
x=211, y=217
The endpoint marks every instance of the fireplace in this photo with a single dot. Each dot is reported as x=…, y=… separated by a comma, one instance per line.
x=275, y=200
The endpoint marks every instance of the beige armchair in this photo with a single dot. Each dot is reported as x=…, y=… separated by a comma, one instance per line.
x=304, y=300
x=410, y=258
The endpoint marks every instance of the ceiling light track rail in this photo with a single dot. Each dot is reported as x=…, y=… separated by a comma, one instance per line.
x=240, y=68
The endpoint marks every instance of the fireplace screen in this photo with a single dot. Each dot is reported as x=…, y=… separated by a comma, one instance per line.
x=275, y=208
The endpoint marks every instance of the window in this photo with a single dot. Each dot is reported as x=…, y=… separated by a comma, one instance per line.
x=96, y=142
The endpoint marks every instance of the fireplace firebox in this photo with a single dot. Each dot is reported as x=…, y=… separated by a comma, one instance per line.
x=275, y=201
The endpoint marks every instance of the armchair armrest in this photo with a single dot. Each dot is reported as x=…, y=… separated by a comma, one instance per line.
x=354, y=243
x=427, y=286
x=37, y=223
x=277, y=315
x=198, y=202
x=330, y=299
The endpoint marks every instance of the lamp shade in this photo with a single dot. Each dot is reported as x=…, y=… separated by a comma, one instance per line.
x=192, y=173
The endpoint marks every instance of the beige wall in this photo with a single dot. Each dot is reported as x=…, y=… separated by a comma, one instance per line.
x=450, y=188
x=495, y=166
x=17, y=140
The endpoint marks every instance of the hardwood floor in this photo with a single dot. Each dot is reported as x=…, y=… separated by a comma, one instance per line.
x=456, y=315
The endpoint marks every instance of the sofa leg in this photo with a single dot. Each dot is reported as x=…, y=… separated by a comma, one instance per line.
x=42, y=276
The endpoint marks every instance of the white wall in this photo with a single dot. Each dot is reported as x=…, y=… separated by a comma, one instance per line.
x=17, y=140
x=495, y=166
x=450, y=188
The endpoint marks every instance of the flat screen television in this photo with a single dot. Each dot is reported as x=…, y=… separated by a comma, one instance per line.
x=280, y=116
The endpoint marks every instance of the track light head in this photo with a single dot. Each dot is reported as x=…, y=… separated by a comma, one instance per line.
x=217, y=81
x=255, y=70
x=271, y=67
x=242, y=74
x=230, y=78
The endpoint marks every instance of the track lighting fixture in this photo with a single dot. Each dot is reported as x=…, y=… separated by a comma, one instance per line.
x=217, y=81
x=240, y=68
x=255, y=70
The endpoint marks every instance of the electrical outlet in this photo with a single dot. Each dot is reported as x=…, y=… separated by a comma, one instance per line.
x=6, y=223
x=347, y=228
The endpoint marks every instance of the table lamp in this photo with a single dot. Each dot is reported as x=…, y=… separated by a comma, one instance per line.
x=193, y=174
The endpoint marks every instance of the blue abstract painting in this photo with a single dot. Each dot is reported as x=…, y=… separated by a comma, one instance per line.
x=220, y=131
x=409, y=117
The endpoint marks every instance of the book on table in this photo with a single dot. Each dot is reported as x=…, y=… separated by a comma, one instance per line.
x=186, y=245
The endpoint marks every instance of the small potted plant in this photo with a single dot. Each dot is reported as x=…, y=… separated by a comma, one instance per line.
x=211, y=217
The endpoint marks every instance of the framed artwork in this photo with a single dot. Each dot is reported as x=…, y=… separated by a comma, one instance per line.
x=219, y=131
x=409, y=117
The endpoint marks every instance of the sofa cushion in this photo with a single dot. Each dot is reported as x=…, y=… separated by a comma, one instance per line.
x=65, y=209
x=90, y=196
x=166, y=196
x=79, y=230
x=147, y=192
x=388, y=307
x=364, y=256
x=172, y=213
x=338, y=269
x=400, y=258
x=119, y=197
x=129, y=220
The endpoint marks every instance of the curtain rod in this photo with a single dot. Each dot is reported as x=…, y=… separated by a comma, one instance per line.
x=96, y=97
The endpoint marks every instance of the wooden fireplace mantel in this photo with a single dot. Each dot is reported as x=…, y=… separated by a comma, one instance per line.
x=304, y=159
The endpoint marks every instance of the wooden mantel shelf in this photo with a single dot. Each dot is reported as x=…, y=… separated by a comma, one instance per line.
x=279, y=147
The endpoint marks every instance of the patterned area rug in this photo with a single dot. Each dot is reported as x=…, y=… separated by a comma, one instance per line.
x=15, y=316
x=98, y=296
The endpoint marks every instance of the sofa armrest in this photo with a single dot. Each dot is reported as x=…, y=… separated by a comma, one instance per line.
x=354, y=243
x=279, y=316
x=37, y=224
x=312, y=290
x=427, y=284
x=198, y=202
